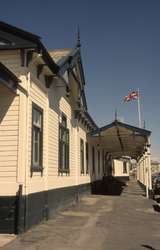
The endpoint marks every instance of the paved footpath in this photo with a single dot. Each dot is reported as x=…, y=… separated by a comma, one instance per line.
x=98, y=222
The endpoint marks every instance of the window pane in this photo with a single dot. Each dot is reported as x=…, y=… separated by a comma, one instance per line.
x=93, y=160
x=82, y=155
x=125, y=167
x=64, y=121
x=37, y=118
x=36, y=146
x=63, y=146
x=98, y=162
x=87, y=159
x=63, y=155
x=37, y=138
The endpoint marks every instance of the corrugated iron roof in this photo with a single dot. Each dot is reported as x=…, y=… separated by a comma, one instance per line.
x=121, y=139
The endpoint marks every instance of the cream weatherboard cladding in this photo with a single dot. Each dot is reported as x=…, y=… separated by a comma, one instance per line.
x=16, y=127
x=11, y=59
x=33, y=193
x=81, y=134
x=38, y=95
x=9, y=128
x=9, y=131
x=56, y=179
x=28, y=196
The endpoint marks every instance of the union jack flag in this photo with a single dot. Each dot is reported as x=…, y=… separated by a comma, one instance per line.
x=134, y=95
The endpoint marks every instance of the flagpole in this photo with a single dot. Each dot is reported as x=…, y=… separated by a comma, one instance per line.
x=139, y=109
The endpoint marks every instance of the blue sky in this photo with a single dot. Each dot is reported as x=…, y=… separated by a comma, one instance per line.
x=120, y=50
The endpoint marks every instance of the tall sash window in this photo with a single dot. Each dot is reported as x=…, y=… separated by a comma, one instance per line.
x=87, y=158
x=37, y=138
x=82, y=155
x=93, y=160
x=63, y=146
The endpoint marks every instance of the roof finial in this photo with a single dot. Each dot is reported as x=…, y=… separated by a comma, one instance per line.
x=78, y=38
x=116, y=116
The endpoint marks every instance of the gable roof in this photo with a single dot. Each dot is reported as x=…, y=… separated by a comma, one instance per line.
x=66, y=60
x=124, y=125
x=12, y=37
x=7, y=78
x=58, y=61
x=60, y=54
x=15, y=37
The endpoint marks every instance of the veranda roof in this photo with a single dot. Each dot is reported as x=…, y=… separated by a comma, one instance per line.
x=121, y=139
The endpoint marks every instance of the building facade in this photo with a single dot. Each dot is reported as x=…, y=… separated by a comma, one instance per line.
x=45, y=159
x=155, y=167
x=51, y=150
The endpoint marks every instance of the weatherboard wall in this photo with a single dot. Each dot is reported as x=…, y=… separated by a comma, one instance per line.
x=9, y=133
x=47, y=190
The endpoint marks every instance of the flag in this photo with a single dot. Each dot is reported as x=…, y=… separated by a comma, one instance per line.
x=131, y=96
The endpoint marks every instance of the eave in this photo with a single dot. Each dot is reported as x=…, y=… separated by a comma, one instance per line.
x=86, y=119
x=7, y=78
x=28, y=41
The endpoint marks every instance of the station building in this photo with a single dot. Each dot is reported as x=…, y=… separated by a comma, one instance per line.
x=51, y=150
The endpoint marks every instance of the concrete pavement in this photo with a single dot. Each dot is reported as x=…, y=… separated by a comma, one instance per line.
x=99, y=222
x=6, y=238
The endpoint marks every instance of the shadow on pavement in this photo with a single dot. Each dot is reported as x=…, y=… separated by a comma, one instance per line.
x=157, y=200
x=148, y=247
x=156, y=208
x=109, y=186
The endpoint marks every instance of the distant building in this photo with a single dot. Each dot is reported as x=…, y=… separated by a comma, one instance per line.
x=121, y=169
x=155, y=167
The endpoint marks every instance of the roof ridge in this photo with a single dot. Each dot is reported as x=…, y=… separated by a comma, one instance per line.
x=19, y=31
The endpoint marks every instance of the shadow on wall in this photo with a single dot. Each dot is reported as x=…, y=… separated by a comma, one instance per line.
x=7, y=97
x=108, y=186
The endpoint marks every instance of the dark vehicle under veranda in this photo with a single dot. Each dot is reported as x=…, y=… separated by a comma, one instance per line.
x=156, y=185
